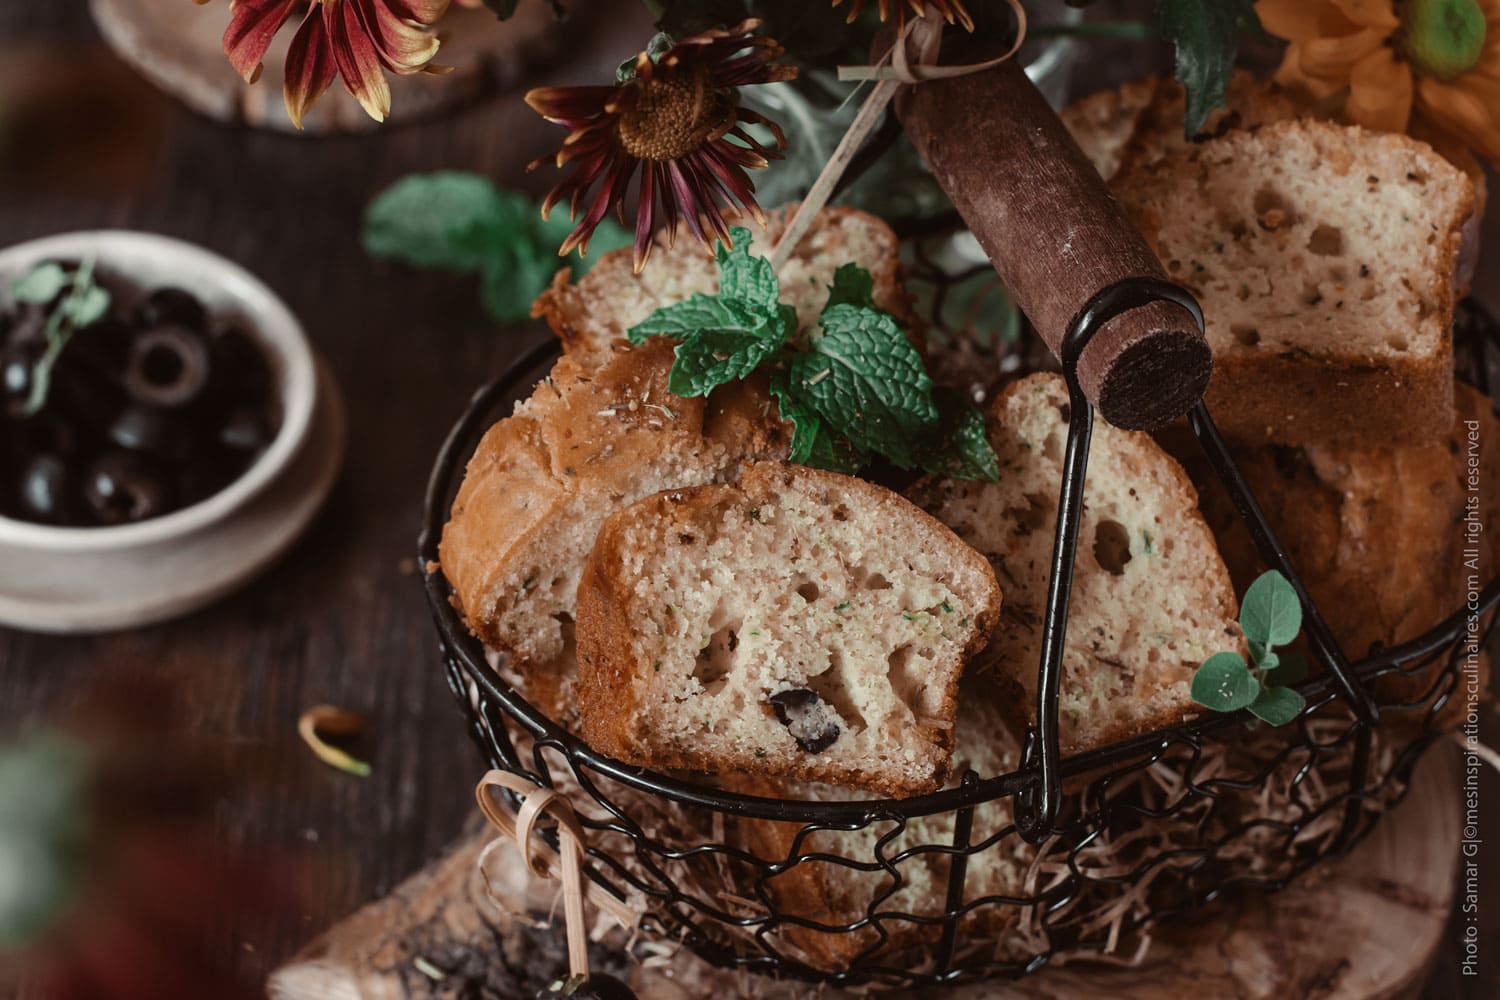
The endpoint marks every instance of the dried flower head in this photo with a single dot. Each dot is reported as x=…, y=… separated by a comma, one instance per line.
x=356, y=40
x=951, y=10
x=675, y=118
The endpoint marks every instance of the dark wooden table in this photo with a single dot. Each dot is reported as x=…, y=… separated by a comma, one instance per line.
x=341, y=619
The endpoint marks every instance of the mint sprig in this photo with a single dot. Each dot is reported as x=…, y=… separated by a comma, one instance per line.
x=74, y=301
x=1207, y=39
x=851, y=389
x=1270, y=616
x=450, y=220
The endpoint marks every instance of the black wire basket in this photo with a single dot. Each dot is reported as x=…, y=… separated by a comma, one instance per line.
x=1057, y=859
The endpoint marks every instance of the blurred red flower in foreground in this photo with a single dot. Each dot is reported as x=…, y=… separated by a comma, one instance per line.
x=671, y=117
x=357, y=40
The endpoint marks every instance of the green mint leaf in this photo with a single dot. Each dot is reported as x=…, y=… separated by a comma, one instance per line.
x=866, y=380
x=960, y=447
x=456, y=221
x=803, y=418
x=85, y=307
x=449, y=219
x=41, y=284
x=692, y=316
x=509, y=284
x=1224, y=683
x=1270, y=614
x=746, y=278
x=1207, y=39
x=1277, y=705
x=852, y=286
x=1291, y=670
x=835, y=453
x=713, y=357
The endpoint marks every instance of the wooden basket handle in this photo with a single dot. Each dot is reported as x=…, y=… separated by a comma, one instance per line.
x=1057, y=237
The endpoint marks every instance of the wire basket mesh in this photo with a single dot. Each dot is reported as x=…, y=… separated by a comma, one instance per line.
x=1030, y=858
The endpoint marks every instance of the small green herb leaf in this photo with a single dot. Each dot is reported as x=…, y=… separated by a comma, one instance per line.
x=852, y=286
x=1263, y=657
x=85, y=307
x=866, y=379
x=961, y=445
x=746, y=278
x=1270, y=614
x=456, y=221
x=835, y=453
x=1224, y=683
x=803, y=418
x=713, y=357
x=1277, y=705
x=686, y=319
x=41, y=284
x=1207, y=39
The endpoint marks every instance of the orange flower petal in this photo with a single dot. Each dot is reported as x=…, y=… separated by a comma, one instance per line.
x=1334, y=58
x=358, y=61
x=252, y=26
x=1370, y=14
x=1294, y=20
x=1380, y=92
x=310, y=68
x=1466, y=115
x=1291, y=76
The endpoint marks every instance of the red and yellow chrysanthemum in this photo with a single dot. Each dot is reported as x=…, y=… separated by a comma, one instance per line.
x=1398, y=60
x=355, y=40
x=676, y=120
x=951, y=10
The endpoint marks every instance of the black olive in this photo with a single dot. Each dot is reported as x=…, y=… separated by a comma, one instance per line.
x=154, y=432
x=121, y=487
x=810, y=721
x=596, y=987
x=46, y=490
x=208, y=474
x=17, y=366
x=173, y=307
x=241, y=370
x=168, y=367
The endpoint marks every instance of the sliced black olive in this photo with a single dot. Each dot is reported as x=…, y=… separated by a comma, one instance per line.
x=46, y=490
x=168, y=367
x=173, y=307
x=809, y=720
x=120, y=488
x=154, y=432
x=207, y=474
x=596, y=987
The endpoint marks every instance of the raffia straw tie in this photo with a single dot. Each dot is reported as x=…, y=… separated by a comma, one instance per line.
x=542, y=861
x=925, y=35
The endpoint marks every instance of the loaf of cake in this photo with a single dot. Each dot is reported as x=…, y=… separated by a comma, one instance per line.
x=598, y=310
x=795, y=623
x=1377, y=535
x=838, y=895
x=1324, y=257
x=593, y=437
x=1151, y=599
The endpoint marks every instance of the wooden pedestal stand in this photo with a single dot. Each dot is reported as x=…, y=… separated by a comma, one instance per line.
x=1362, y=928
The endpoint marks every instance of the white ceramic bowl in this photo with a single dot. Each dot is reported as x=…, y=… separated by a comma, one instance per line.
x=63, y=578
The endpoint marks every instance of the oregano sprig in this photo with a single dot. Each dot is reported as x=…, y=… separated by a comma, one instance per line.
x=1270, y=616
x=74, y=301
x=853, y=388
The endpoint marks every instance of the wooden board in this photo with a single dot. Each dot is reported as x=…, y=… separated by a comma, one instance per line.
x=176, y=45
x=1363, y=928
